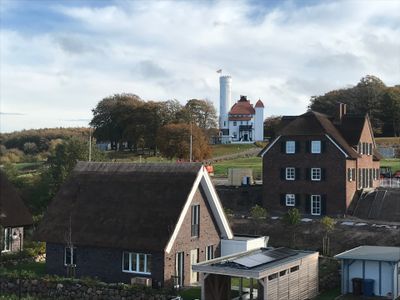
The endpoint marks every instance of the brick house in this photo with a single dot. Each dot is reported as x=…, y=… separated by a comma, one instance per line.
x=319, y=163
x=14, y=216
x=140, y=223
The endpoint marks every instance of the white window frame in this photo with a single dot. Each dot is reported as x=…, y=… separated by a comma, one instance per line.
x=316, y=205
x=210, y=252
x=290, y=173
x=290, y=147
x=73, y=261
x=316, y=174
x=316, y=147
x=195, y=220
x=7, y=240
x=290, y=200
x=350, y=174
x=137, y=256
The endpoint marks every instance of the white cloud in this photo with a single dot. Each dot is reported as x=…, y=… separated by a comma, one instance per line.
x=161, y=50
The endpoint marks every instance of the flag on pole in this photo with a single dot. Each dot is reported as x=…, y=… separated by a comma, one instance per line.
x=219, y=71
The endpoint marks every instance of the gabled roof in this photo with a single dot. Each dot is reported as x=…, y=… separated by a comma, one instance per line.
x=315, y=123
x=13, y=211
x=124, y=205
x=351, y=128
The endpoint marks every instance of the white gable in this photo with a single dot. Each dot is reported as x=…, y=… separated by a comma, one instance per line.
x=215, y=204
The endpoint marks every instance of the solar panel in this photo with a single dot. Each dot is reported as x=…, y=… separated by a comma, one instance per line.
x=264, y=257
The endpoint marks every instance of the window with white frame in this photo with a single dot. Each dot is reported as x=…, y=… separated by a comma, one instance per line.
x=290, y=173
x=290, y=199
x=290, y=147
x=7, y=239
x=316, y=147
x=315, y=174
x=209, y=252
x=136, y=262
x=316, y=205
x=234, y=123
x=70, y=256
x=195, y=210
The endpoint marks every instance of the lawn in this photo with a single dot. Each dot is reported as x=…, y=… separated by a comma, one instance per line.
x=195, y=293
x=15, y=297
x=27, y=268
x=329, y=295
x=255, y=163
x=227, y=149
x=387, y=141
x=394, y=163
x=29, y=166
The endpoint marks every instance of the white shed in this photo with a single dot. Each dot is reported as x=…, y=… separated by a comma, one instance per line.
x=381, y=264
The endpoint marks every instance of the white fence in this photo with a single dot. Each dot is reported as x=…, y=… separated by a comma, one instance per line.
x=390, y=182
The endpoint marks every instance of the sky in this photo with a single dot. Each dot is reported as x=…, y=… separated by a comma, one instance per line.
x=58, y=59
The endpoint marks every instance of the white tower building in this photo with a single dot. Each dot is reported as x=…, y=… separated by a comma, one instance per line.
x=259, y=121
x=225, y=96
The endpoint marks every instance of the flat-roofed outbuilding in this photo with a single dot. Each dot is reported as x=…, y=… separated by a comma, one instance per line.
x=281, y=273
x=378, y=263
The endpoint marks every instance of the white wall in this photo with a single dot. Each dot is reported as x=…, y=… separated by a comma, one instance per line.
x=237, y=245
x=259, y=124
x=355, y=271
x=372, y=272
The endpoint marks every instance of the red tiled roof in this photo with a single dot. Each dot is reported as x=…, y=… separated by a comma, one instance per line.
x=259, y=103
x=242, y=108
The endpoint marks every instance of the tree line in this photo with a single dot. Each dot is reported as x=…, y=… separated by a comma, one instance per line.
x=39, y=140
x=369, y=96
x=129, y=122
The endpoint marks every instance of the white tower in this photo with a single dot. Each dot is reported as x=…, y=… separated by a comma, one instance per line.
x=259, y=121
x=225, y=95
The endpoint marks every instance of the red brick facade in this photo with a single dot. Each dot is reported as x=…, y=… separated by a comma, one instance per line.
x=341, y=174
x=208, y=235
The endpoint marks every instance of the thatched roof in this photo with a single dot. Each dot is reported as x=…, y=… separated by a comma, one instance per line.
x=121, y=205
x=13, y=211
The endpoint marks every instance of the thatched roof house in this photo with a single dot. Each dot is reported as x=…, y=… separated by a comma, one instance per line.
x=13, y=212
x=131, y=208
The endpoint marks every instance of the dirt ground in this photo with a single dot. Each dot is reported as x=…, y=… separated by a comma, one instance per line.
x=308, y=235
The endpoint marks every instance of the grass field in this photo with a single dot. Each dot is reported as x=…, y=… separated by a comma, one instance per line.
x=31, y=268
x=393, y=163
x=329, y=295
x=195, y=293
x=255, y=163
x=388, y=140
x=226, y=149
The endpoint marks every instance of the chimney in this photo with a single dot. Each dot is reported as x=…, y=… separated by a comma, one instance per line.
x=243, y=98
x=341, y=110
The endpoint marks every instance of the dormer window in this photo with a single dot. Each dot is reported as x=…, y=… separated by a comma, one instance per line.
x=316, y=147
x=290, y=147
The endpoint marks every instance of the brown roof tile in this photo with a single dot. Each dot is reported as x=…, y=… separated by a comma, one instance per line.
x=314, y=123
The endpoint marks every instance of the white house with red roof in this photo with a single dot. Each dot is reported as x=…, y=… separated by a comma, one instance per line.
x=242, y=122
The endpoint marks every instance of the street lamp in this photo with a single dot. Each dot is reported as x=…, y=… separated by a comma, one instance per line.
x=18, y=234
